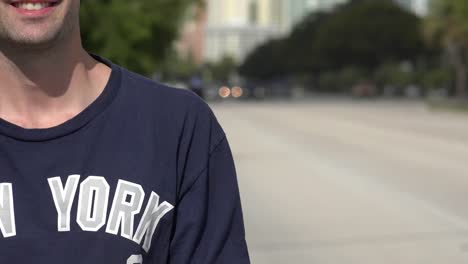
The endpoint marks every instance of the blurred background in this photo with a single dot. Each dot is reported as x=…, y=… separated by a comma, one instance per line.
x=348, y=119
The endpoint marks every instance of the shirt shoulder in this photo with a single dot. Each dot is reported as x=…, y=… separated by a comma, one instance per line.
x=181, y=121
x=180, y=112
x=156, y=94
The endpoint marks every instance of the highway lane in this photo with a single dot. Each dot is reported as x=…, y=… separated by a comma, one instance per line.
x=351, y=181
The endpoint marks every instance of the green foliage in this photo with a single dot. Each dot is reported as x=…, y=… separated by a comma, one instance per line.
x=328, y=81
x=360, y=35
x=394, y=74
x=342, y=80
x=222, y=70
x=265, y=62
x=302, y=41
x=136, y=34
x=437, y=78
x=367, y=33
x=294, y=54
x=176, y=68
x=447, y=25
x=448, y=21
x=350, y=76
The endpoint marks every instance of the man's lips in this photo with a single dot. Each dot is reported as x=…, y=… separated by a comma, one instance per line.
x=34, y=7
x=31, y=1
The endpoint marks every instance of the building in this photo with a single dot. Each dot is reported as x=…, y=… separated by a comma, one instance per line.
x=192, y=39
x=296, y=10
x=235, y=27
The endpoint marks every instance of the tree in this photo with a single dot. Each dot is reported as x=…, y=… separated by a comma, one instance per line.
x=439, y=78
x=362, y=34
x=136, y=34
x=266, y=61
x=301, y=42
x=176, y=68
x=394, y=74
x=223, y=69
x=367, y=33
x=447, y=24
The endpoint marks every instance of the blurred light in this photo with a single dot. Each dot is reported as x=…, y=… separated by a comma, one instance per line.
x=237, y=92
x=224, y=92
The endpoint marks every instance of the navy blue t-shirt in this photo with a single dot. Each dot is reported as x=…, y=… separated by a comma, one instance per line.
x=143, y=175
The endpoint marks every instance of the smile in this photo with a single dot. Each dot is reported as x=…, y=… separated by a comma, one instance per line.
x=33, y=6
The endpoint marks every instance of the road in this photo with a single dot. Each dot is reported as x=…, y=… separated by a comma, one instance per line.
x=343, y=182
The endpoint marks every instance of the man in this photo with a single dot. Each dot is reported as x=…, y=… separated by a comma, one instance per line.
x=100, y=165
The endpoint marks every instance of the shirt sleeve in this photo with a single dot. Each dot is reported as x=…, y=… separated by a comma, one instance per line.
x=209, y=224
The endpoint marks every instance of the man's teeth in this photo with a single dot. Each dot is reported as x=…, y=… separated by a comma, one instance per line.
x=33, y=6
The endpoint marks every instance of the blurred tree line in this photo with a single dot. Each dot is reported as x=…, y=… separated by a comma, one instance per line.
x=368, y=41
x=447, y=25
x=137, y=34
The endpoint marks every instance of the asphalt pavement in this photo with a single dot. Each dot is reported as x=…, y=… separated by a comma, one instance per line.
x=341, y=181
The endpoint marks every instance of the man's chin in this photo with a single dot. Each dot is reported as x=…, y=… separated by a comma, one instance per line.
x=31, y=40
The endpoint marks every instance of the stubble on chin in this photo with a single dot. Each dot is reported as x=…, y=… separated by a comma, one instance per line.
x=41, y=38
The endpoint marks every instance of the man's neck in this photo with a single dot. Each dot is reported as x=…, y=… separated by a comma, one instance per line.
x=41, y=89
